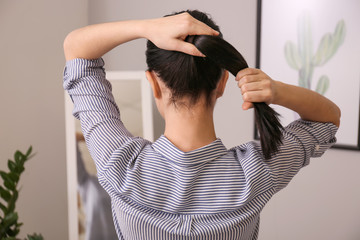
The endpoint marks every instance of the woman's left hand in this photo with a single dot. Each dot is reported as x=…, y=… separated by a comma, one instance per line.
x=255, y=86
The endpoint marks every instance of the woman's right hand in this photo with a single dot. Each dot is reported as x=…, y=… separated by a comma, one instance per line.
x=170, y=32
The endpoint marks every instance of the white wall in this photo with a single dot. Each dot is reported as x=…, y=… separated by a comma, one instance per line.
x=322, y=202
x=32, y=106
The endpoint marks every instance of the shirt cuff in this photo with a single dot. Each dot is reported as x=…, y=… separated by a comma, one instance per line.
x=79, y=68
x=322, y=133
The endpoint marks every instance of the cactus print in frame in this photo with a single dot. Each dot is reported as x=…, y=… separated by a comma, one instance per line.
x=315, y=45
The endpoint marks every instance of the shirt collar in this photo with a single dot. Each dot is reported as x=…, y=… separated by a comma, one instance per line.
x=204, y=154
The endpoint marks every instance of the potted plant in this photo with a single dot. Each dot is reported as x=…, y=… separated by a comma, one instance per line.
x=9, y=192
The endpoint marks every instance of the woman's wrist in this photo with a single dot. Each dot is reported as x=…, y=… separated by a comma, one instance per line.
x=138, y=28
x=279, y=90
x=94, y=41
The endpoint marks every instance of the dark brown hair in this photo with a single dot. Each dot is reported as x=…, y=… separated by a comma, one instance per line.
x=191, y=76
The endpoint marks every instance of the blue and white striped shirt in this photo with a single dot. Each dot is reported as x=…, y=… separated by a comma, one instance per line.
x=160, y=192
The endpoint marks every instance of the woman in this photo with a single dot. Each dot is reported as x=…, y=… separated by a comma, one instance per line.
x=187, y=185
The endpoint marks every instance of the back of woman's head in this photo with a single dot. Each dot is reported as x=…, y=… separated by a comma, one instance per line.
x=183, y=74
x=193, y=77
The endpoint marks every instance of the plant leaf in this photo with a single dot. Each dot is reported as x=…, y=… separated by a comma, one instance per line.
x=11, y=166
x=12, y=202
x=19, y=157
x=10, y=219
x=35, y=237
x=3, y=208
x=14, y=177
x=20, y=169
x=11, y=206
x=323, y=85
x=3, y=175
x=19, y=224
x=28, y=152
x=10, y=185
x=8, y=182
x=9, y=238
x=12, y=233
x=5, y=194
x=15, y=196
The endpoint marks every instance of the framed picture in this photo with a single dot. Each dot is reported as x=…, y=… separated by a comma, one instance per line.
x=314, y=44
x=134, y=98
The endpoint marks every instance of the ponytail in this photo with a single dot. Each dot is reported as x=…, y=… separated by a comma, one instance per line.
x=227, y=57
x=191, y=76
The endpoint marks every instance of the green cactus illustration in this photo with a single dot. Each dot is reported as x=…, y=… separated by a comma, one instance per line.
x=302, y=58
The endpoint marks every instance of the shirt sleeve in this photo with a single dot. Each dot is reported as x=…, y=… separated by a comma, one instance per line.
x=302, y=140
x=110, y=144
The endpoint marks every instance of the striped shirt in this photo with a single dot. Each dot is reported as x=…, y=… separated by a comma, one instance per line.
x=160, y=192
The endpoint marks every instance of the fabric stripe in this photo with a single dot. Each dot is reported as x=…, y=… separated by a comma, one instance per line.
x=160, y=192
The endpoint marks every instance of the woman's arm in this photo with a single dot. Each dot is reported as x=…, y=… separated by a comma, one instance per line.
x=94, y=41
x=256, y=86
x=109, y=142
x=308, y=104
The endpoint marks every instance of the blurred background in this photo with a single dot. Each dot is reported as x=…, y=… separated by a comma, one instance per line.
x=322, y=202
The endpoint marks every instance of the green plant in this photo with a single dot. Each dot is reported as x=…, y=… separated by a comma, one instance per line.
x=9, y=225
x=302, y=59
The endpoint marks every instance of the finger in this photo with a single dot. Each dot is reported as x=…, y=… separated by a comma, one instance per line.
x=245, y=72
x=188, y=48
x=250, y=96
x=192, y=26
x=247, y=105
x=247, y=79
x=201, y=28
x=252, y=86
x=257, y=96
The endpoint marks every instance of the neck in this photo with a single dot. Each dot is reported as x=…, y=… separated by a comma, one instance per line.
x=190, y=128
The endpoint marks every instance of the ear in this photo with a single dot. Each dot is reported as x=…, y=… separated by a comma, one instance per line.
x=152, y=78
x=222, y=84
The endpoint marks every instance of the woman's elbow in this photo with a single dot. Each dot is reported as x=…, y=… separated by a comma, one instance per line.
x=68, y=46
x=337, y=116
